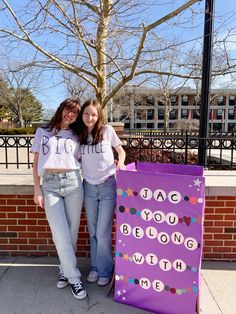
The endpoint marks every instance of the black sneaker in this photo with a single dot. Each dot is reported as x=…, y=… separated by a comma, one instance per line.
x=62, y=282
x=78, y=290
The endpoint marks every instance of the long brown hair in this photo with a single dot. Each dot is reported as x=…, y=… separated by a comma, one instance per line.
x=97, y=132
x=55, y=122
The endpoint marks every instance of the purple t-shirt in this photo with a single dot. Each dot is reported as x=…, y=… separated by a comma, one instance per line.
x=56, y=150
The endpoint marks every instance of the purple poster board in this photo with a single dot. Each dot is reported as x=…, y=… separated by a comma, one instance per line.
x=159, y=230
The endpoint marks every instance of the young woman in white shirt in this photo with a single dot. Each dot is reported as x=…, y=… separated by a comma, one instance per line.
x=98, y=169
x=55, y=149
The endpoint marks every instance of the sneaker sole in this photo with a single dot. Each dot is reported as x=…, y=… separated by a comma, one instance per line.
x=103, y=284
x=91, y=280
x=63, y=285
x=79, y=297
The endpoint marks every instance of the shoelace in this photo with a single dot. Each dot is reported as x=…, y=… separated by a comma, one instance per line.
x=77, y=286
x=63, y=278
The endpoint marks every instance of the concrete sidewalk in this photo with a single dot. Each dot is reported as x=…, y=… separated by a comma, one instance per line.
x=28, y=286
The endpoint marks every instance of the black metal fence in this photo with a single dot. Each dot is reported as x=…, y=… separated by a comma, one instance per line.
x=163, y=147
x=15, y=151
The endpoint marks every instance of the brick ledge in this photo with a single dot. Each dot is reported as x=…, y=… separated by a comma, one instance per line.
x=217, y=183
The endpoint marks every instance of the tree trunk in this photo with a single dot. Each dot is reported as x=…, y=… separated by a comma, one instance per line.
x=166, y=113
x=102, y=33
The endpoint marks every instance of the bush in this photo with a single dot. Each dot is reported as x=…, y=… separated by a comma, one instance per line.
x=17, y=131
x=163, y=156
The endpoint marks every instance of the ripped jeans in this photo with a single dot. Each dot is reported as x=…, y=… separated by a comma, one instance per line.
x=63, y=199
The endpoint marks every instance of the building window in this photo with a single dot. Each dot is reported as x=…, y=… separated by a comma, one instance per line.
x=161, y=101
x=150, y=114
x=160, y=114
x=219, y=113
x=173, y=114
x=217, y=126
x=173, y=100
x=150, y=101
x=196, y=114
x=184, y=100
x=127, y=125
x=231, y=114
x=184, y=114
x=140, y=114
x=220, y=101
x=232, y=101
x=150, y=125
x=137, y=114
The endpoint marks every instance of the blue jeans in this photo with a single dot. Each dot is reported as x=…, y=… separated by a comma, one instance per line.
x=63, y=199
x=100, y=203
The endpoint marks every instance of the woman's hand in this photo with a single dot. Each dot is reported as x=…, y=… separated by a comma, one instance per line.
x=38, y=198
x=121, y=157
x=121, y=166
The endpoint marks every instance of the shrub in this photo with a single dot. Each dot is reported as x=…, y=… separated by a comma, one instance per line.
x=17, y=131
x=163, y=156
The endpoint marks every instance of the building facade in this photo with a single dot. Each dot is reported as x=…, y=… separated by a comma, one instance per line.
x=144, y=108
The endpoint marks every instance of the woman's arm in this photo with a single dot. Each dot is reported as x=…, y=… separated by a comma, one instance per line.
x=121, y=157
x=38, y=196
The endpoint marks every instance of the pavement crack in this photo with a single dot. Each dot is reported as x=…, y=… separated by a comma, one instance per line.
x=213, y=297
x=91, y=306
x=6, y=270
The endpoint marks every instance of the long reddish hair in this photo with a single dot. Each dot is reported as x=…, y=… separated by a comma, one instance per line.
x=97, y=132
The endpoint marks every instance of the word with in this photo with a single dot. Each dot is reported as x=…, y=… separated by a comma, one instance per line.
x=152, y=260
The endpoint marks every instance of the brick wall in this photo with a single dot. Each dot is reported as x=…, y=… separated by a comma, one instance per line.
x=24, y=230
x=220, y=228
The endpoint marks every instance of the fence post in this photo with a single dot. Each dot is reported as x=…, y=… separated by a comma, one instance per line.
x=206, y=76
x=186, y=147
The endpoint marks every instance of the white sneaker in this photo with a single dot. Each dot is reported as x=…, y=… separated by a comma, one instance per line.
x=93, y=276
x=103, y=281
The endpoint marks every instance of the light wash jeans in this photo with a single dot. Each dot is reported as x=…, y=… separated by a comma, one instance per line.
x=100, y=203
x=63, y=199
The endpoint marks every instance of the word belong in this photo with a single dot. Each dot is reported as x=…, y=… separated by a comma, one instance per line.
x=164, y=238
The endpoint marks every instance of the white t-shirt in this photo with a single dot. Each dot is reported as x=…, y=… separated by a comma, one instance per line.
x=97, y=161
x=56, y=151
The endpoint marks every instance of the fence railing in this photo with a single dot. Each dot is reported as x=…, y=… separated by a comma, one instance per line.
x=165, y=148
x=15, y=150
x=173, y=132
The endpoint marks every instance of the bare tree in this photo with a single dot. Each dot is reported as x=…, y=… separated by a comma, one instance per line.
x=76, y=87
x=169, y=81
x=105, y=43
x=20, y=85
